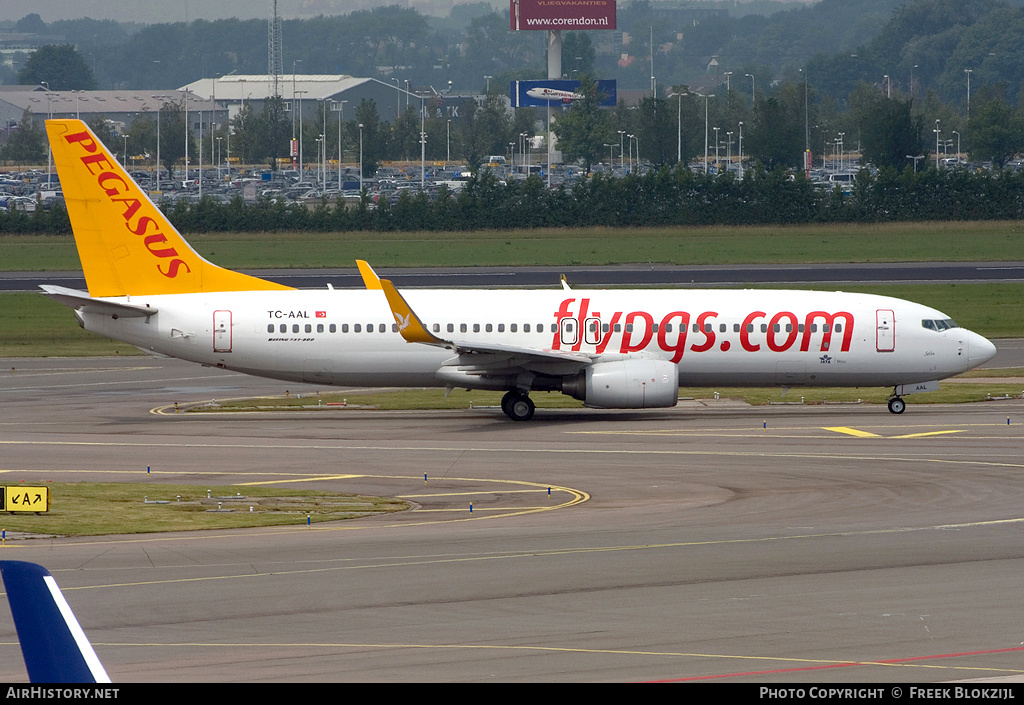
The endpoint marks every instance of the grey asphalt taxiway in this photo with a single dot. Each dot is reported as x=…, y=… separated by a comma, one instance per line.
x=713, y=541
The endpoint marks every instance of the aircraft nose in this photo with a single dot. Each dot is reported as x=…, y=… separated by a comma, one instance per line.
x=979, y=349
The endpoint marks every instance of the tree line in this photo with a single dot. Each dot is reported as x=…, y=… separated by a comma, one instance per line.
x=666, y=197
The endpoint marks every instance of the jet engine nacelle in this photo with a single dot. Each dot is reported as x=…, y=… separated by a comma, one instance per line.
x=638, y=383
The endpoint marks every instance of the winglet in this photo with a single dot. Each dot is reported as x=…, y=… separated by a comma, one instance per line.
x=55, y=648
x=409, y=324
x=370, y=278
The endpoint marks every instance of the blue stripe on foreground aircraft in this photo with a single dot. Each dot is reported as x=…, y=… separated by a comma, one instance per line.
x=626, y=349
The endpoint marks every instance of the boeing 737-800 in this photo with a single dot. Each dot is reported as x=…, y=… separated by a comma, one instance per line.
x=611, y=349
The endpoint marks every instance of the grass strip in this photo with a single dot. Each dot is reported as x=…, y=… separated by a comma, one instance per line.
x=722, y=245
x=102, y=508
x=950, y=392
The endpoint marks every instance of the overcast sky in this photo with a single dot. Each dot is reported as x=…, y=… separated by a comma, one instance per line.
x=150, y=12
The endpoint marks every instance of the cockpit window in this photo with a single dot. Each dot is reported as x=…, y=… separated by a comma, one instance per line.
x=939, y=324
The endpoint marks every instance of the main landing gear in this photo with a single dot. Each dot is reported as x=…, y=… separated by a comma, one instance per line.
x=517, y=406
x=897, y=405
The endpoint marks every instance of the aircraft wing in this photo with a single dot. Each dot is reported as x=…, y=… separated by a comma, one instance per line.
x=55, y=648
x=483, y=358
x=81, y=300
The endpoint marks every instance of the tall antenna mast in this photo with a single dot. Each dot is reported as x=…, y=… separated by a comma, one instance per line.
x=275, y=60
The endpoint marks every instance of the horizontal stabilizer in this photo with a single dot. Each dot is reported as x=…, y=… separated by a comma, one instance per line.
x=55, y=648
x=81, y=300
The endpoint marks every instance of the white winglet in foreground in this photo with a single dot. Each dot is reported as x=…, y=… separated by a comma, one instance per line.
x=611, y=349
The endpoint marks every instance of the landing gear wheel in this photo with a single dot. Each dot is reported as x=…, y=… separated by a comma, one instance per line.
x=517, y=407
x=897, y=405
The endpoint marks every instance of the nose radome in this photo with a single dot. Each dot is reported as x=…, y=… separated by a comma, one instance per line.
x=980, y=349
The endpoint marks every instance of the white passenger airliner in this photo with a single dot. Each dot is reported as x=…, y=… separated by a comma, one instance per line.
x=542, y=93
x=610, y=349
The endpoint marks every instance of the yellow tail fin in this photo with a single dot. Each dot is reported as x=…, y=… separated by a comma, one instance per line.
x=127, y=246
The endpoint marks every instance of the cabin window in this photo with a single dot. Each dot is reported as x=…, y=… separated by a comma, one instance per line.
x=489, y=328
x=344, y=328
x=451, y=327
x=383, y=328
x=764, y=327
x=283, y=328
x=270, y=328
x=309, y=328
x=356, y=328
x=501, y=327
x=394, y=327
x=722, y=328
x=512, y=327
x=526, y=327
x=319, y=327
x=476, y=327
x=295, y=328
x=334, y=329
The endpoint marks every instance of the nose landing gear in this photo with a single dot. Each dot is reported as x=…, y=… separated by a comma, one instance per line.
x=897, y=405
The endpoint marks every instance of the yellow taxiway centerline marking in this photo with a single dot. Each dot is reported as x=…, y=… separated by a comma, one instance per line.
x=867, y=434
x=851, y=431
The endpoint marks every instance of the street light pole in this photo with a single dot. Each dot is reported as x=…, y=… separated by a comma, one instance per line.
x=968, y=72
x=706, y=97
x=341, y=119
x=741, y=149
x=936, y=131
x=159, y=109
x=49, y=150
x=679, y=123
x=753, y=95
x=360, y=158
x=186, y=136
x=716, y=148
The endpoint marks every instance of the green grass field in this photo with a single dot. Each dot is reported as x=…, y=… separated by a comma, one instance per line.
x=102, y=508
x=957, y=390
x=889, y=242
